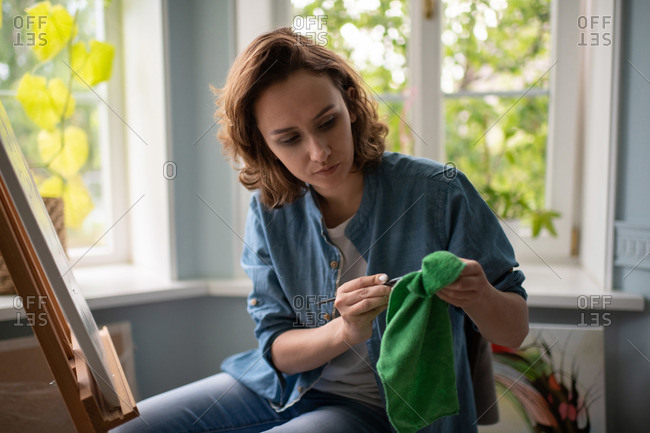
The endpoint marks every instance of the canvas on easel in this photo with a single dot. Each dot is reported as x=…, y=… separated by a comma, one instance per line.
x=82, y=357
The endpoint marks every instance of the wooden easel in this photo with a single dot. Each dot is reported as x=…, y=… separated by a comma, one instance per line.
x=86, y=404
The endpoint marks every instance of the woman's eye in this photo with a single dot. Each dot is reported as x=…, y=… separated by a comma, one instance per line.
x=290, y=140
x=329, y=123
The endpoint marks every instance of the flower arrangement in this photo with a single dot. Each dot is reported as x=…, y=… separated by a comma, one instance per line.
x=548, y=399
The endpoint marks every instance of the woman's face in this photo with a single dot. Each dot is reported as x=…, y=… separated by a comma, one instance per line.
x=307, y=126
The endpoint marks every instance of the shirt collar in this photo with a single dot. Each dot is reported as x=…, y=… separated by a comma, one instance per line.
x=366, y=209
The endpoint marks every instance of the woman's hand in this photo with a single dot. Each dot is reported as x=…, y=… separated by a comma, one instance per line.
x=470, y=287
x=502, y=317
x=359, y=301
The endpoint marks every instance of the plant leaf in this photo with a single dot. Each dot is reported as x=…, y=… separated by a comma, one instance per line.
x=49, y=144
x=66, y=161
x=44, y=101
x=77, y=203
x=548, y=222
x=52, y=24
x=51, y=187
x=95, y=66
x=536, y=222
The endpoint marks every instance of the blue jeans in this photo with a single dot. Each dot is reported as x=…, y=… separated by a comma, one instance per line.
x=221, y=404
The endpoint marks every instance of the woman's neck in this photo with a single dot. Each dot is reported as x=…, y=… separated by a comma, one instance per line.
x=337, y=208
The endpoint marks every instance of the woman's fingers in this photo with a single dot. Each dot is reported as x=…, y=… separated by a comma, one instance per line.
x=363, y=282
x=362, y=294
x=359, y=301
x=366, y=305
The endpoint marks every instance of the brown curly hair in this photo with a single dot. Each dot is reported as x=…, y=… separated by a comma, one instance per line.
x=269, y=59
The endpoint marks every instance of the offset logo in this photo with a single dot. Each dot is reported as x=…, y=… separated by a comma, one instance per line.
x=311, y=310
x=450, y=170
x=589, y=317
x=34, y=317
x=169, y=170
x=312, y=26
x=595, y=31
x=29, y=37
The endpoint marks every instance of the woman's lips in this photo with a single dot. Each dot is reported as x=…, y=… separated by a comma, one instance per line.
x=328, y=170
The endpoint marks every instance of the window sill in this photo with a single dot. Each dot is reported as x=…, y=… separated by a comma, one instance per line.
x=569, y=286
x=112, y=286
x=563, y=286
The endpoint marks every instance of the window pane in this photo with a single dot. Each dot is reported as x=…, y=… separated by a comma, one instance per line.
x=373, y=36
x=494, y=52
x=86, y=185
x=507, y=164
x=491, y=45
x=16, y=57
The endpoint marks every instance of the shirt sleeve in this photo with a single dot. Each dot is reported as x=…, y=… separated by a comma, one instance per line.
x=267, y=303
x=473, y=232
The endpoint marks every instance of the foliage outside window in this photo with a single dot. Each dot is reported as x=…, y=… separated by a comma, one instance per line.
x=373, y=36
x=495, y=79
x=45, y=76
x=493, y=52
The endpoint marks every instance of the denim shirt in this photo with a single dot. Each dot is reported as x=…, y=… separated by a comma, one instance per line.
x=410, y=208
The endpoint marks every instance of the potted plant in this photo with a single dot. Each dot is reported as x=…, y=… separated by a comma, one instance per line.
x=512, y=205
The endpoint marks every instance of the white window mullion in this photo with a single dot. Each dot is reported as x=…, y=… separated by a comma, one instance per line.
x=561, y=158
x=425, y=58
x=599, y=141
x=111, y=136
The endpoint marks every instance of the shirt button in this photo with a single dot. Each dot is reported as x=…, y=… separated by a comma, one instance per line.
x=327, y=317
x=300, y=388
x=253, y=302
x=334, y=264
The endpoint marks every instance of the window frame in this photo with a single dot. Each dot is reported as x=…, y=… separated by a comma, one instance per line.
x=568, y=180
x=563, y=98
x=581, y=156
x=112, y=147
x=111, y=130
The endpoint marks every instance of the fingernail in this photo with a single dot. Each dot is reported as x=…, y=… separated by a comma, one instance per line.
x=383, y=278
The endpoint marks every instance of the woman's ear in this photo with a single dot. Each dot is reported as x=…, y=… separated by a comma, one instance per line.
x=351, y=94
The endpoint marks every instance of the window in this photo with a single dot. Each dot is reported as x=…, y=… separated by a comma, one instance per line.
x=495, y=81
x=88, y=177
x=374, y=38
x=475, y=83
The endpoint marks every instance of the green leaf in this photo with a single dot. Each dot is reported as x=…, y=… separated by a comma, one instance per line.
x=65, y=157
x=44, y=101
x=548, y=221
x=94, y=66
x=548, y=224
x=54, y=25
x=537, y=224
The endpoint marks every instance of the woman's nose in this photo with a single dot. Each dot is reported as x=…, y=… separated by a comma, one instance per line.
x=319, y=151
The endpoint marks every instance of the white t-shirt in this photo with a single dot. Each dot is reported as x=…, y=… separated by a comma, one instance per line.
x=350, y=374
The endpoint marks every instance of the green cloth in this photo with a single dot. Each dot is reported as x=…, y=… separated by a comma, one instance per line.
x=416, y=361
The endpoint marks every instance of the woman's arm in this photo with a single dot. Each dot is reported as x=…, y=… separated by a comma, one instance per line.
x=359, y=301
x=502, y=317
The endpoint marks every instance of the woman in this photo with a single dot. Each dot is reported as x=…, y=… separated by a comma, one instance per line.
x=333, y=215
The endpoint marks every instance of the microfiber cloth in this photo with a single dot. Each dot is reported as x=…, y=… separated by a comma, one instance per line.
x=416, y=361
